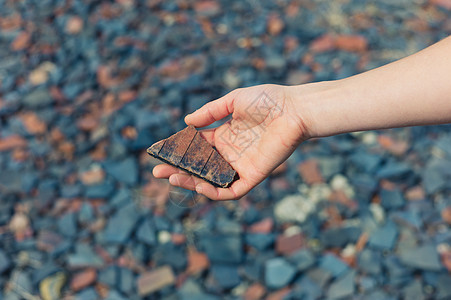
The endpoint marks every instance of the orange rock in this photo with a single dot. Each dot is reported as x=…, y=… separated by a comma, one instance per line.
x=361, y=242
x=74, y=25
x=351, y=43
x=446, y=214
x=310, y=172
x=178, y=238
x=95, y=175
x=323, y=43
x=129, y=132
x=275, y=24
x=33, y=124
x=21, y=41
x=415, y=193
x=11, y=142
x=197, y=262
x=83, y=279
x=264, y=226
x=127, y=96
x=68, y=149
x=395, y=147
x=279, y=295
x=255, y=291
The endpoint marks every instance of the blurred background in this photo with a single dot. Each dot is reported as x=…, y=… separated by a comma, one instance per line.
x=87, y=86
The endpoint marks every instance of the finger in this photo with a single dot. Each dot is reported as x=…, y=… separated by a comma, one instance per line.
x=208, y=135
x=237, y=190
x=164, y=171
x=185, y=181
x=212, y=111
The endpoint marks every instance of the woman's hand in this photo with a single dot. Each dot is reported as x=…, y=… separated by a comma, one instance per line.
x=263, y=132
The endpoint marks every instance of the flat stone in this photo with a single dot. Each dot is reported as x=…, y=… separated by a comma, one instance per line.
x=50, y=287
x=333, y=264
x=384, y=237
x=342, y=287
x=293, y=208
x=369, y=261
x=226, y=275
x=223, y=248
x=302, y=259
x=125, y=171
x=278, y=273
x=190, y=152
x=310, y=172
x=155, y=280
x=121, y=225
x=424, y=257
x=413, y=291
x=38, y=98
x=84, y=257
x=67, y=225
x=197, y=262
x=391, y=199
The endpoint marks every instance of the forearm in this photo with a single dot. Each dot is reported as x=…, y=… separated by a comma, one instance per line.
x=413, y=91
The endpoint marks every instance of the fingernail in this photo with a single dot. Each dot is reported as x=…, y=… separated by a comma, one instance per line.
x=198, y=189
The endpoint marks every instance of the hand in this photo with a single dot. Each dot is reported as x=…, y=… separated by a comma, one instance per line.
x=264, y=131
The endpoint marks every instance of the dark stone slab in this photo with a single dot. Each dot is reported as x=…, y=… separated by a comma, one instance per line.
x=190, y=152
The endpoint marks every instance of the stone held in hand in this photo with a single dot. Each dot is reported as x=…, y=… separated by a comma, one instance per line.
x=189, y=151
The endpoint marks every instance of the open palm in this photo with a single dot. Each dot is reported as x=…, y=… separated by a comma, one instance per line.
x=263, y=131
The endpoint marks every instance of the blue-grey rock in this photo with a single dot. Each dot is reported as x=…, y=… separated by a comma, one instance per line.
x=366, y=283
x=115, y=295
x=320, y=276
x=302, y=259
x=384, y=237
x=333, y=264
x=146, y=233
x=86, y=213
x=67, y=225
x=394, y=171
x=102, y=190
x=260, y=241
x=5, y=262
x=121, y=225
x=343, y=286
x=222, y=248
x=191, y=290
x=414, y=291
x=444, y=287
x=306, y=288
x=424, y=257
x=87, y=294
x=369, y=261
x=126, y=281
x=84, y=256
x=38, y=98
x=225, y=275
x=125, y=171
x=278, y=273
x=109, y=276
x=392, y=199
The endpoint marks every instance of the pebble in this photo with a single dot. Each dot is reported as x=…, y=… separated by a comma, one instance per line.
x=50, y=288
x=293, y=208
x=278, y=273
x=424, y=257
x=155, y=280
x=83, y=279
x=342, y=287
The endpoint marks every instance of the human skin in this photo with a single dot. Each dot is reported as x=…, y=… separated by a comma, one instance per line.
x=262, y=134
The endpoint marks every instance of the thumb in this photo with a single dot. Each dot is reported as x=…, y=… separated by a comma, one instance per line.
x=212, y=111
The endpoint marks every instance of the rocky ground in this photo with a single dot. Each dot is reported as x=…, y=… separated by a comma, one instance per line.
x=86, y=86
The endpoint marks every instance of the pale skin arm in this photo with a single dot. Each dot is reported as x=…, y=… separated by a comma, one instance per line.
x=413, y=91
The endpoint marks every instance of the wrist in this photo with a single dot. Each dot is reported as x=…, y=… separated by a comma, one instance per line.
x=316, y=106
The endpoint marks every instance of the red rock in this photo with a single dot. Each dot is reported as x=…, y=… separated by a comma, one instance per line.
x=197, y=262
x=155, y=280
x=207, y=8
x=74, y=25
x=323, y=43
x=33, y=124
x=446, y=214
x=88, y=123
x=178, y=238
x=11, y=142
x=67, y=149
x=443, y=3
x=127, y=96
x=21, y=41
x=310, y=172
x=279, y=295
x=287, y=245
x=255, y=291
x=275, y=24
x=83, y=279
x=264, y=226
x=351, y=43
